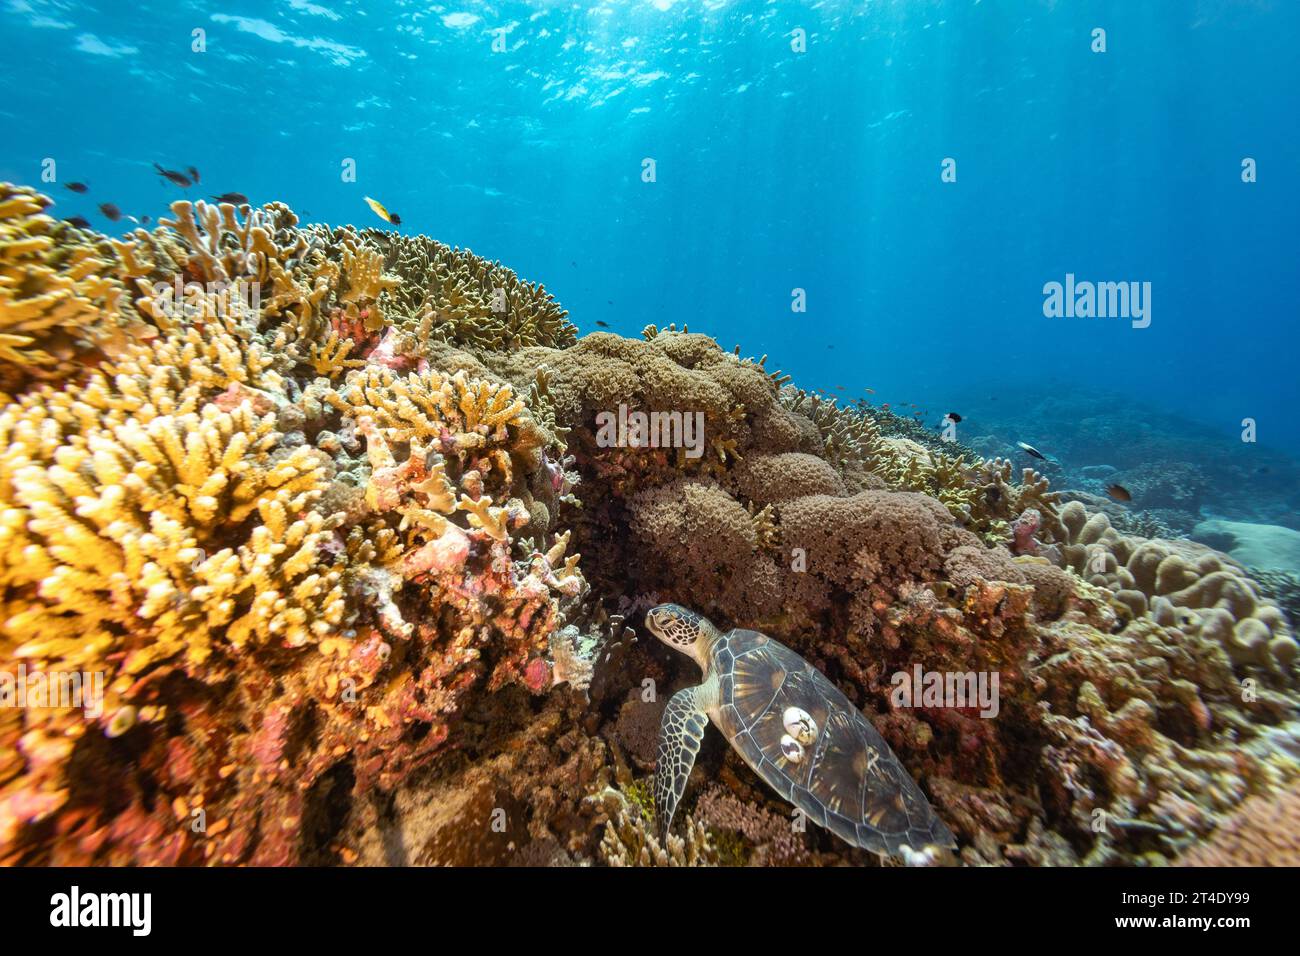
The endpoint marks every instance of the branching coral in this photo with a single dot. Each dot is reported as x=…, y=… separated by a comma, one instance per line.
x=629, y=839
x=59, y=299
x=455, y=296
x=237, y=548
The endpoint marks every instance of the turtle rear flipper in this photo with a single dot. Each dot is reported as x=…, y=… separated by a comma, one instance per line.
x=680, y=733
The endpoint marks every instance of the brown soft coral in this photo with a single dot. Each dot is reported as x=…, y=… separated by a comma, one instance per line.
x=775, y=478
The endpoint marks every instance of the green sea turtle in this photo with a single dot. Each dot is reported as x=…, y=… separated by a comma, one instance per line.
x=797, y=732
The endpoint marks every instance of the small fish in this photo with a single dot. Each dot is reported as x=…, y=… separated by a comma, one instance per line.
x=1031, y=450
x=79, y=221
x=194, y=174
x=953, y=417
x=830, y=346
x=885, y=406
x=382, y=213
x=111, y=212
x=77, y=187
x=840, y=387
x=237, y=199
x=603, y=325
x=170, y=174
x=609, y=301
x=574, y=264
x=145, y=219
x=871, y=391
x=1119, y=492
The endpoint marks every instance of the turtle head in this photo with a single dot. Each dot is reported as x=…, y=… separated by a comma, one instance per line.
x=680, y=628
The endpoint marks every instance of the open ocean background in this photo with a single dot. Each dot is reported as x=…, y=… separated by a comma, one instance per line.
x=776, y=170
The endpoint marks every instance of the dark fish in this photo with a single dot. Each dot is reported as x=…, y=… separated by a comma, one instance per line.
x=77, y=187
x=237, y=199
x=1031, y=450
x=194, y=174
x=145, y=219
x=574, y=264
x=953, y=416
x=110, y=211
x=603, y=325
x=609, y=301
x=1119, y=492
x=79, y=221
x=178, y=178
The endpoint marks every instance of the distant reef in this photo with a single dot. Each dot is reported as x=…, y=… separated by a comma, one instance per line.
x=326, y=509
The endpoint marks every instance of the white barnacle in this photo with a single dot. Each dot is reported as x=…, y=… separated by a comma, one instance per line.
x=799, y=725
x=791, y=749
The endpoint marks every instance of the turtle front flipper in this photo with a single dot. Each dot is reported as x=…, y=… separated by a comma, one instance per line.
x=680, y=733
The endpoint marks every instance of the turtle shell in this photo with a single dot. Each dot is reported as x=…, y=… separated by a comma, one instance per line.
x=837, y=768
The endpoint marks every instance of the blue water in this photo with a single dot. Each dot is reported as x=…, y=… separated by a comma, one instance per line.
x=775, y=170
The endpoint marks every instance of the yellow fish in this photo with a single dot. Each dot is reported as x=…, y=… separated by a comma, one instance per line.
x=383, y=213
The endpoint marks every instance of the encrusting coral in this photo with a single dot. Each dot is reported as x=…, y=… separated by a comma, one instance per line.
x=329, y=511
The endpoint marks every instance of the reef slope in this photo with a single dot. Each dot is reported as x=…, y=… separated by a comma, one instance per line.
x=362, y=579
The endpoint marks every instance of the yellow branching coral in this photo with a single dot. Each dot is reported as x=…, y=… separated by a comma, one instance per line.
x=452, y=295
x=365, y=281
x=421, y=405
x=331, y=357
x=219, y=247
x=58, y=297
x=119, y=522
x=186, y=518
x=483, y=515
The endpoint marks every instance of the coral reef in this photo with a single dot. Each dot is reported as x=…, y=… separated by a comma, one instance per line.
x=361, y=572
x=280, y=579
x=1262, y=832
x=60, y=301
x=1182, y=584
